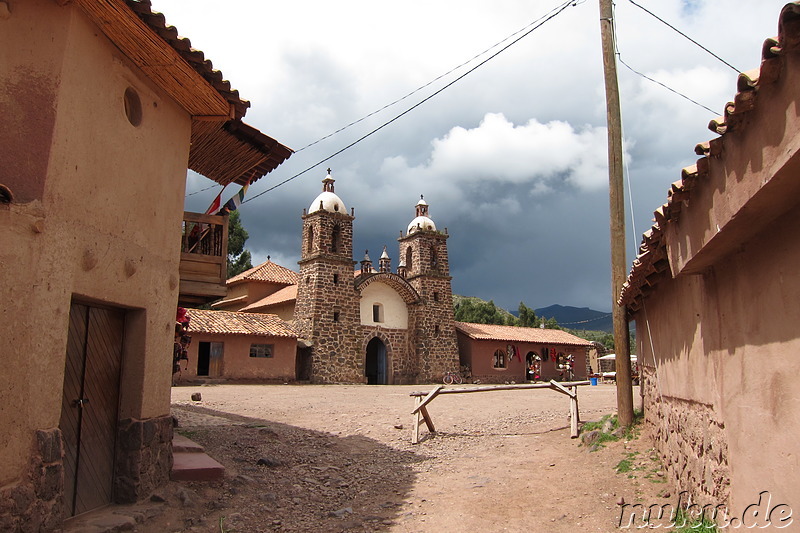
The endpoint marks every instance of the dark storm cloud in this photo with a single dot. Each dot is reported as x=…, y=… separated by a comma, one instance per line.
x=512, y=159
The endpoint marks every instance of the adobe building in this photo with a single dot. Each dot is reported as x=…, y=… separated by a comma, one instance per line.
x=239, y=346
x=502, y=354
x=104, y=108
x=714, y=292
x=265, y=288
x=373, y=326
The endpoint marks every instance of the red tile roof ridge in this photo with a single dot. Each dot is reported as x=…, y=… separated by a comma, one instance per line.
x=228, y=301
x=286, y=294
x=196, y=58
x=267, y=272
x=652, y=264
x=519, y=334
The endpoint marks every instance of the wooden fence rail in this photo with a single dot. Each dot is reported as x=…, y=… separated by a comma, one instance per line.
x=422, y=399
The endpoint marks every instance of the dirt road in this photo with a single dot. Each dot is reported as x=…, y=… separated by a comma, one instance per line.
x=340, y=458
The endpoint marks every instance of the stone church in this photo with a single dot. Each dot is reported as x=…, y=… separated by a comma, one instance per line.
x=373, y=325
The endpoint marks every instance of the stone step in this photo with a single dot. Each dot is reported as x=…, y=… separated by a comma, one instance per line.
x=184, y=444
x=195, y=466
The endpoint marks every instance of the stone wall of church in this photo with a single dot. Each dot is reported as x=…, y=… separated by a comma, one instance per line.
x=436, y=344
x=328, y=314
x=399, y=353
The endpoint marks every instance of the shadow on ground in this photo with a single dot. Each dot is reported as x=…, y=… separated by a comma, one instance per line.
x=281, y=477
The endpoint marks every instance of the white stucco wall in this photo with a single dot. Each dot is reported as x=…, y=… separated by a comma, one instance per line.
x=395, y=312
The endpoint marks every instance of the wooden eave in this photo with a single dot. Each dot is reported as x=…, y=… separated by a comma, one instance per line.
x=223, y=149
x=160, y=61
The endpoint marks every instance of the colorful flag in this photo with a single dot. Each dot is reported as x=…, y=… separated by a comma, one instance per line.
x=215, y=205
x=236, y=199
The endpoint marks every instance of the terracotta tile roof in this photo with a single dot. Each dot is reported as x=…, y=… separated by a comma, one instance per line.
x=224, y=148
x=518, y=334
x=284, y=295
x=268, y=272
x=157, y=22
x=651, y=264
x=235, y=323
x=230, y=301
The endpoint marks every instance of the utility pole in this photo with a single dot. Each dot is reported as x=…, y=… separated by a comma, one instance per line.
x=617, y=204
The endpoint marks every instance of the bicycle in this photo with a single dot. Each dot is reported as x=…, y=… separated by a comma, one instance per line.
x=452, y=377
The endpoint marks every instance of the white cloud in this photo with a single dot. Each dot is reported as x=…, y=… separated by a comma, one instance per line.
x=540, y=155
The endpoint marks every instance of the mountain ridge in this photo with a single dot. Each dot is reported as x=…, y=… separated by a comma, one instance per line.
x=577, y=317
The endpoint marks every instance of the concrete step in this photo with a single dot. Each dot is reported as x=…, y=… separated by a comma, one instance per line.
x=195, y=466
x=184, y=444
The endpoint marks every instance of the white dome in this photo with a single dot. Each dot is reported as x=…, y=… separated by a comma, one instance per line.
x=423, y=223
x=330, y=202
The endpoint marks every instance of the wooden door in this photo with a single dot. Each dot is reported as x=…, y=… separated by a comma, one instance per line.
x=89, y=406
x=215, y=359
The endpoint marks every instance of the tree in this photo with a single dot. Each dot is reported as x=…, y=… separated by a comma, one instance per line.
x=239, y=258
x=479, y=312
x=527, y=318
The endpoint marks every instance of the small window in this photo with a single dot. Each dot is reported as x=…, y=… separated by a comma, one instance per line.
x=336, y=316
x=435, y=296
x=499, y=358
x=133, y=106
x=377, y=313
x=336, y=239
x=336, y=279
x=261, y=350
x=436, y=329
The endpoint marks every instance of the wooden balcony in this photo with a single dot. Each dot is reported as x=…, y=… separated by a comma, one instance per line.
x=204, y=259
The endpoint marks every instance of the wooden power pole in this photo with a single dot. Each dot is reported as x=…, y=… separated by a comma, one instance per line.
x=617, y=203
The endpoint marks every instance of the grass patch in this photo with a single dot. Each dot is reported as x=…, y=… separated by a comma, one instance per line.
x=701, y=524
x=189, y=434
x=626, y=465
x=630, y=433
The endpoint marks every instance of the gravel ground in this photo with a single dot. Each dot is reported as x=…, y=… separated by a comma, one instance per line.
x=340, y=458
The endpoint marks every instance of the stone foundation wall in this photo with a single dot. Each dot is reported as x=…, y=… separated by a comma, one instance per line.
x=691, y=439
x=35, y=502
x=144, y=457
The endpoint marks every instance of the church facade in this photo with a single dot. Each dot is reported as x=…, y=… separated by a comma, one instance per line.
x=373, y=325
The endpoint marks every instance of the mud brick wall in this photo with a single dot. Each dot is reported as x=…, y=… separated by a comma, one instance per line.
x=144, y=457
x=35, y=503
x=691, y=439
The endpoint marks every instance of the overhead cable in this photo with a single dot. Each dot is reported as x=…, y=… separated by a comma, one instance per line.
x=684, y=35
x=549, y=17
x=421, y=87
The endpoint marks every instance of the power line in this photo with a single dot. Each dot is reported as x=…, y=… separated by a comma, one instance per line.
x=683, y=35
x=201, y=190
x=549, y=17
x=586, y=321
x=619, y=57
x=421, y=87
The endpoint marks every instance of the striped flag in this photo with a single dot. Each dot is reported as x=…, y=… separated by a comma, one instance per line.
x=236, y=200
x=215, y=205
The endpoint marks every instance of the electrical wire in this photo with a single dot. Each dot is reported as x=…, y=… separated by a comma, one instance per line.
x=549, y=17
x=684, y=35
x=619, y=58
x=421, y=87
x=201, y=190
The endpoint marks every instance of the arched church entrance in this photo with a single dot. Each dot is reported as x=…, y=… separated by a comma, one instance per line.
x=375, y=367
